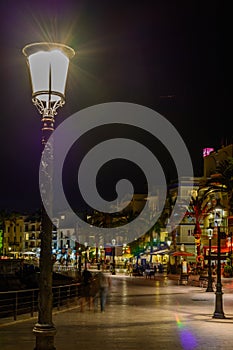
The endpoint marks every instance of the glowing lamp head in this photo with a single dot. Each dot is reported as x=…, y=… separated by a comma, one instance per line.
x=218, y=213
x=48, y=65
x=210, y=232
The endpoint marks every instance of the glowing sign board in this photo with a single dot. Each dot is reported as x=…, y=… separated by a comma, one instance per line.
x=207, y=151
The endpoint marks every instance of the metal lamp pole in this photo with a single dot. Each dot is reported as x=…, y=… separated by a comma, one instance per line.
x=210, y=282
x=113, y=256
x=231, y=248
x=85, y=261
x=218, y=313
x=97, y=254
x=48, y=66
x=230, y=236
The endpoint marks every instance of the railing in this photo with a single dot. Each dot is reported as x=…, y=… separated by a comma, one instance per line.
x=15, y=303
x=62, y=268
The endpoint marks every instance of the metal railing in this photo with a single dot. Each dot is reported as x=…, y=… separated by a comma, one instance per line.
x=21, y=302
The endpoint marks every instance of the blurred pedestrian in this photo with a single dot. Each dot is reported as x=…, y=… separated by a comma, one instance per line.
x=86, y=289
x=104, y=286
x=130, y=269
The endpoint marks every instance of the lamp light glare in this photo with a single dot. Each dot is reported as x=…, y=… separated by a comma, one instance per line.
x=48, y=64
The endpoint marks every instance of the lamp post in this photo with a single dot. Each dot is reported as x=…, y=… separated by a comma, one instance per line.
x=48, y=66
x=231, y=248
x=218, y=216
x=210, y=281
x=113, y=256
x=97, y=254
x=86, y=249
x=168, y=261
x=230, y=252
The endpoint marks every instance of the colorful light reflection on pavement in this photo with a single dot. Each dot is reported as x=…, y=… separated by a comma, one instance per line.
x=187, y=339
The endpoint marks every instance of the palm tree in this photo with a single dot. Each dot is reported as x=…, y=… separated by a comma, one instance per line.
x=201, y=205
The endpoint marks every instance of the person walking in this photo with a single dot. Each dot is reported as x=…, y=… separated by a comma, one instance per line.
x=104, y=286
x=85, y=289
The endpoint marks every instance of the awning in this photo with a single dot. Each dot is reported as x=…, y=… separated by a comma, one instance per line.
x=180, y=253
x=162, y=251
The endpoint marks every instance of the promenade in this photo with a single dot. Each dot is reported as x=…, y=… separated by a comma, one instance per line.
x=140, y=314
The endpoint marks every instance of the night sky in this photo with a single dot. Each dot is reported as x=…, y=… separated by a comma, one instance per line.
x=171, y=56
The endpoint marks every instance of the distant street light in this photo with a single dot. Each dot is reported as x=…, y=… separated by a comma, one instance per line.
x=48, y=66
x=86, y=258
x=210, y=280
x=218, y=216
x=113, y=256
x=230, y=252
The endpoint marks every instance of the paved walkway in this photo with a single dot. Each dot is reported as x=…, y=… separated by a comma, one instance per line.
x=140, y=314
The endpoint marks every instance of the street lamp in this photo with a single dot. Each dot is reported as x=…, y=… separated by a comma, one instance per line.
x=86, y=249
x=210, y=281
x=218, y=216
x=113, y=256
x=169, y=242
x=96, y=254
x=48, y=66
x=230, y=241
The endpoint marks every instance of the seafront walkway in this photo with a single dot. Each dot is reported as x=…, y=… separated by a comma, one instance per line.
x=140, y=314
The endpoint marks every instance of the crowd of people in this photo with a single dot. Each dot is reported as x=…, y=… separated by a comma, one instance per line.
x=142, y=269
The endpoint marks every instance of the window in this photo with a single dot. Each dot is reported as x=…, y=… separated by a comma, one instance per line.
x=190, y=233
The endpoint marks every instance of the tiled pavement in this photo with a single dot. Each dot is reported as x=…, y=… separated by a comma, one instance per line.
x=140, y=314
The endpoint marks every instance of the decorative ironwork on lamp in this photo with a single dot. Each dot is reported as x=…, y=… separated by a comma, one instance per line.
x=48, y=66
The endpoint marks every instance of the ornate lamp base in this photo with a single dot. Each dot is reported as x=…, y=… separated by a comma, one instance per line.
x=44, y=336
